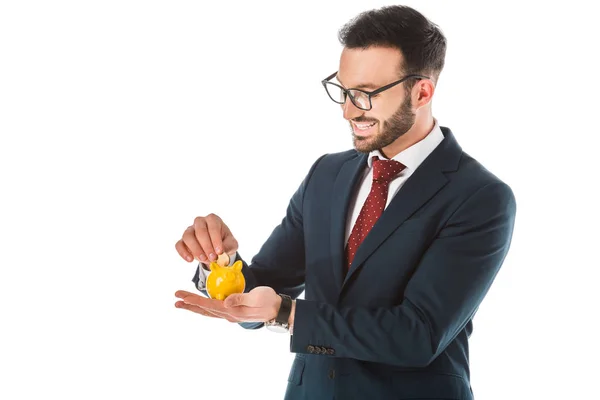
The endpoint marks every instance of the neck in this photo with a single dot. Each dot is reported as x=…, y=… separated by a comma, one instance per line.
x=423, y=125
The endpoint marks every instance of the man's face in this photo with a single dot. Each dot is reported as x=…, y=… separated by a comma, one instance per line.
x=391, y=115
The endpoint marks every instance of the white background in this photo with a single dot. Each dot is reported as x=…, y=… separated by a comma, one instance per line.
x=121, y=121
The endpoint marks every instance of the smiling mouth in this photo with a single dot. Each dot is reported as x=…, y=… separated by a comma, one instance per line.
x=363, y=129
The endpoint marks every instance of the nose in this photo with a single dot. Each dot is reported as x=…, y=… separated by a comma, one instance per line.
x=350, y=110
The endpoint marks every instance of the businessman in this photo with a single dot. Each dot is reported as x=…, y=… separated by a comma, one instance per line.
x=395, y=243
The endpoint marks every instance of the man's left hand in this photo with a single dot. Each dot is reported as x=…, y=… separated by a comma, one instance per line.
x=261, y=304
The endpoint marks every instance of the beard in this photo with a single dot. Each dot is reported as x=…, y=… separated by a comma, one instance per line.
x=389, y=130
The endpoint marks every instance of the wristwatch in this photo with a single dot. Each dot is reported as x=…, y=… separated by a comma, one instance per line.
x=280, y=323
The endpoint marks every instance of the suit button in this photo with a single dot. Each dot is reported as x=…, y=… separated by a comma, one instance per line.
x=323, y=350
x=331, y=374
x=330, y=352
x=317, y=350
x=310, y=349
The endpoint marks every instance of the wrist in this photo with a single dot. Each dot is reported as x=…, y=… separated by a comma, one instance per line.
x=291, y=318
x=284, y=308
x=278, y=308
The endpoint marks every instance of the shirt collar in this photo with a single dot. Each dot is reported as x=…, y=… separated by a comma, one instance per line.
x=413, y=156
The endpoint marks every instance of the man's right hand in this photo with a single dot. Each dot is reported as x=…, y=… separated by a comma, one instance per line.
x=207, y=238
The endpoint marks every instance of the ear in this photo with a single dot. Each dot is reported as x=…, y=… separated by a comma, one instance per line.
x=422, y=93
x=237, y=266
x=214, y=266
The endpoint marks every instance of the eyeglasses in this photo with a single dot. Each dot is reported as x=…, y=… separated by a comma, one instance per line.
x=360, y=98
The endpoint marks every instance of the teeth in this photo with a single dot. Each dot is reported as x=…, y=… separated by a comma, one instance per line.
x=364, y=127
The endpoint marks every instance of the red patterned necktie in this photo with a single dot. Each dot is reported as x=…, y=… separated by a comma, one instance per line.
x=383, y=172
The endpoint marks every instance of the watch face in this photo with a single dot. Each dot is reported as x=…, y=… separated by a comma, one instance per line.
x=276, y=328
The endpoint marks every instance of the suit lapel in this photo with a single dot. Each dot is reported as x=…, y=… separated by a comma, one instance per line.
x=343, y=190
x=423, y=184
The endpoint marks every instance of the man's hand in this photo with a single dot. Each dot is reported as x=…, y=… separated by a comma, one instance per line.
x=261, y=304
x=206, y=239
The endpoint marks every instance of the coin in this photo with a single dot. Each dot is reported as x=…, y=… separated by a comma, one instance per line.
x=223, y=259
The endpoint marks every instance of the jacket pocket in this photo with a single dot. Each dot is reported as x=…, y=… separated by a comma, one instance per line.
x=297, y=371
x=430, y=385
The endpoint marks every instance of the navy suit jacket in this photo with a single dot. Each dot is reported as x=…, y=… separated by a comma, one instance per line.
x=396, y=325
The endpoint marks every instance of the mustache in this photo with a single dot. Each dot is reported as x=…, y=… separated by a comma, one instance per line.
x=363, y=119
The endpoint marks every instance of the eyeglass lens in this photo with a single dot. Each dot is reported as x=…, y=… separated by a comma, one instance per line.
x=361, y=99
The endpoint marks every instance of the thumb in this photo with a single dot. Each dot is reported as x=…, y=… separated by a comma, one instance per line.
x=234, y=300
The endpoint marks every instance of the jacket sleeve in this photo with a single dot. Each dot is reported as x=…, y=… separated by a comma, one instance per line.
x=445, y=291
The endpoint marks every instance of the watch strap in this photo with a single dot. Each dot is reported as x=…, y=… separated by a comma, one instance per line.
x=285, y=309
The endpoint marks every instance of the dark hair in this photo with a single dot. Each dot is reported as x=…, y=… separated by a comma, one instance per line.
x=421, y=42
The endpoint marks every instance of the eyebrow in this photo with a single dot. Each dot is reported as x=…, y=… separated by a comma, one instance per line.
x=361, y=86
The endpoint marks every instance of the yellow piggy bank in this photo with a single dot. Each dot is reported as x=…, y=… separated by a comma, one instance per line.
x=223, y=281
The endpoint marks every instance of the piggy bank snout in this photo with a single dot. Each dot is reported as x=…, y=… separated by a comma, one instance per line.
x=223, y=281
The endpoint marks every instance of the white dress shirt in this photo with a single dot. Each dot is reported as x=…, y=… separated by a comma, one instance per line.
x=411, y=157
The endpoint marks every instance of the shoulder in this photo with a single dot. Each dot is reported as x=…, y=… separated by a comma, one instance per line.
x=480, y=191
x=474, y=174
x=334, y=161
x=469, y=179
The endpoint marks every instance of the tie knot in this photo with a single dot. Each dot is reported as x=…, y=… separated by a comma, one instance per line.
x=385, y=170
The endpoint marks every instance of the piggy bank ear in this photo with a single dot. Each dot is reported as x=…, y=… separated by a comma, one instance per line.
x=237, y=266
x=214, y=266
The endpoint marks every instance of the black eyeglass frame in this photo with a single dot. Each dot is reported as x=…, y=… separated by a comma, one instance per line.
x=326, y=82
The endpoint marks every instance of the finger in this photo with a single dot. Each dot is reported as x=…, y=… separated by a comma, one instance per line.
x=207, y=312
x=191, y=242
x=197, y=300
x=201, y=301
x=230, y=244
x=216, y=230
x=196, y=309
x=183, y=251
x=203, y=237
x=182, y=293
